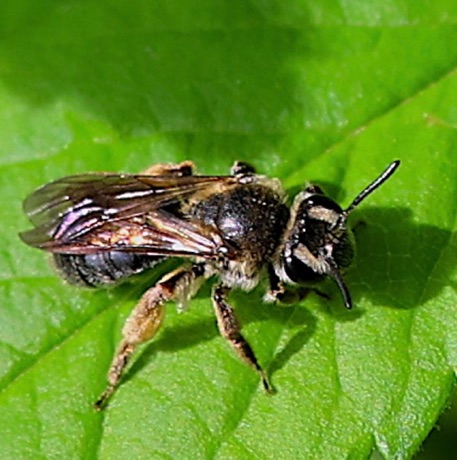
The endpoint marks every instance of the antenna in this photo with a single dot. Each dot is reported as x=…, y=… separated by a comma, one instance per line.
x=373, y=186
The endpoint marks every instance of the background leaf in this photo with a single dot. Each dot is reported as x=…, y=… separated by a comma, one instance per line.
x=305, y=90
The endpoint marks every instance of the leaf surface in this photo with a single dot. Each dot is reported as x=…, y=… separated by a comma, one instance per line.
x=304, y=90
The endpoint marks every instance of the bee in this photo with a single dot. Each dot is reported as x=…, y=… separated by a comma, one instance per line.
x=103, y=228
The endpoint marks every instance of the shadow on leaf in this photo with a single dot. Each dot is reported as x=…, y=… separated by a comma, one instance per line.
x=399, y=263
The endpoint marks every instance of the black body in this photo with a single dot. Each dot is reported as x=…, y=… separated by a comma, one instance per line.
x=230, y=212
x=104, y=228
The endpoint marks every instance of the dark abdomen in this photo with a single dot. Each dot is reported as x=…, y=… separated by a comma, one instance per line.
x=103, y=268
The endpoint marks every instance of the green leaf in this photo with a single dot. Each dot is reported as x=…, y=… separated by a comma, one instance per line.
x=304, y=90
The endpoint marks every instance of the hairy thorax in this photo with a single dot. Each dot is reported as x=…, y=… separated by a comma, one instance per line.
x=251, y=218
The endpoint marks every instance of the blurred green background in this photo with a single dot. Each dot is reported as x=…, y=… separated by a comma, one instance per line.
x=305, y=90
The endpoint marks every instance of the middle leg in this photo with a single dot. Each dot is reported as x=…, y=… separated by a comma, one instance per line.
x=229, y=328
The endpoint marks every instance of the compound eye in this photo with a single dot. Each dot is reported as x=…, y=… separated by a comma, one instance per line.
x=299, y=271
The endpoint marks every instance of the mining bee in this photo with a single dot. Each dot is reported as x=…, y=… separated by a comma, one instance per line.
x=102, y=228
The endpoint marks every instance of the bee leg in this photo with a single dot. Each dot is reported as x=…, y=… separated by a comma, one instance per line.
x=277, y=290
x=240, y=168
x=229, y=328
x=288, y=296
x=146, y=319
x=279, y=293
x=185, y=168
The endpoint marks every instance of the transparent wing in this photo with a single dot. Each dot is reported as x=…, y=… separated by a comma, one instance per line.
x=98, y=212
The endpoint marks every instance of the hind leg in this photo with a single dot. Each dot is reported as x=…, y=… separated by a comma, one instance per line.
x=146, y=319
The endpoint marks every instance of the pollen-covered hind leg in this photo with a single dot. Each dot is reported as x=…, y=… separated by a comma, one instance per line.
x=146, y=319
x=229, y=328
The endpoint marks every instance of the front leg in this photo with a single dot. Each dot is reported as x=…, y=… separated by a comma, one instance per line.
x=277, y=289
x=146, y=319
x=279, y=293
x=229, y=328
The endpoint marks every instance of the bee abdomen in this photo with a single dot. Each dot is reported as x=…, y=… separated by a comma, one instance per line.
x=102, y=268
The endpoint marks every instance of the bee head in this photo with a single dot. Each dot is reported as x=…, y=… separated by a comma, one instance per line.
x=318, y=242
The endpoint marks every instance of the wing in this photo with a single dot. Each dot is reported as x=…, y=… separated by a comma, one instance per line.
x=102, y=212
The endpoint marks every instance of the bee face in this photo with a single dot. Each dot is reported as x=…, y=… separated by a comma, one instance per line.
x=102, y=228
x=317, y=241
